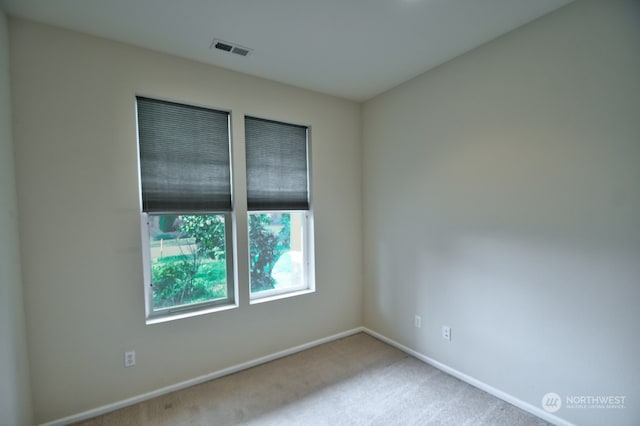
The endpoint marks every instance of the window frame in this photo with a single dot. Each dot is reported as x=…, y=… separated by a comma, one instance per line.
x=200, y=308
x=191, y=309
x=308, y=226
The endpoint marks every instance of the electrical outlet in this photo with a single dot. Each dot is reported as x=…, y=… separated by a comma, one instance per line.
x=417, y=321
x=446, y=332
x=130, y=358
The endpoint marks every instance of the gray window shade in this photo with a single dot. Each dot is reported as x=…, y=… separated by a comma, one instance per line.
x=277, y=176
x=184, y=157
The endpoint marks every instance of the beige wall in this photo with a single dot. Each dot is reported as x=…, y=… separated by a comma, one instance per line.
x=502, y=198
x=15, y=399
x=76, y=168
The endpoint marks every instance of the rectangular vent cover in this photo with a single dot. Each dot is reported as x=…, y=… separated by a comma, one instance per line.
x=240, y=51
x=225, y=46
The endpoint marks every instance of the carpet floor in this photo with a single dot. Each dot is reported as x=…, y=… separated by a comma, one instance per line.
x=357, y=380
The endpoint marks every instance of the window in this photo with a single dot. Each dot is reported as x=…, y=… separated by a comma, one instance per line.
x=185, y=178
x=279, y=216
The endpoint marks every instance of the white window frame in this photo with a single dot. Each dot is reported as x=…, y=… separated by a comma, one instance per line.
x=201, y=308
x=192, y=309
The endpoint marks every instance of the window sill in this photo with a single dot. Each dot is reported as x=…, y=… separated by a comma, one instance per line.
x=257, y=299
x=181, y=315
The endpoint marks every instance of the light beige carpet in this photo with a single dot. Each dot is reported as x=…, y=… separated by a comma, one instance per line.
x=357, y=380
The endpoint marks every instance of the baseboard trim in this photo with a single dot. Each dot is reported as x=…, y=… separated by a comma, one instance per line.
x=255, y=362
x=198, y=380
x=538, y=412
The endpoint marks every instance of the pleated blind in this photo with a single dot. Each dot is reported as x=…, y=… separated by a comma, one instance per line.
x=184, y=157
x=276, y=160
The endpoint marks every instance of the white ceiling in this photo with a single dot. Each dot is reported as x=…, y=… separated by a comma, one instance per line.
x=354, y=49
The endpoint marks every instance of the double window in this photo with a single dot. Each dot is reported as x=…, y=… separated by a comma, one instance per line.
x=187, y=209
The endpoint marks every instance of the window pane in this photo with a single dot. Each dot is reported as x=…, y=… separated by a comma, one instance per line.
x=276, y=250
x=188, y=262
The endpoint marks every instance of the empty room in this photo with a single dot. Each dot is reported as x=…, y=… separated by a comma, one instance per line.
x=280, y=212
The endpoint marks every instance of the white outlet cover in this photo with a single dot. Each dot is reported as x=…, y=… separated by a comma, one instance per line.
x=446, y=332
x=129, y=358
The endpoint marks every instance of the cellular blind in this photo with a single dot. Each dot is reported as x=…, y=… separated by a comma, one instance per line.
x=276, y=161
x=184, y=157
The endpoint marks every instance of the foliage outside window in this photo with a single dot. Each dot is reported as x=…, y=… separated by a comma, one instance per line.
x=277, y=253
x=188, y=263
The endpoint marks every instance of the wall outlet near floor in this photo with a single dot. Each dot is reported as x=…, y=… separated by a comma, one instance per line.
x=446, y=332
x=417, y=321
x=129, y=358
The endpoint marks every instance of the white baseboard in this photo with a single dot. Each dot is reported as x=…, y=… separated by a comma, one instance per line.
x=538, y=412
x=198, y=380
x=243, y=366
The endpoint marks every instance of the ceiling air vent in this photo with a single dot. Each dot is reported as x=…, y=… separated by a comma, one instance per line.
x=225, y=46
x=240, y=51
